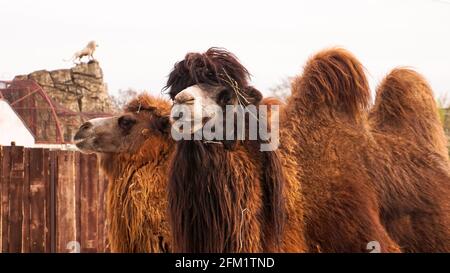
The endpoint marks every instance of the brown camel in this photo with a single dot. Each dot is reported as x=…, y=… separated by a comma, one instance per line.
x=227, y=195
x=356, y=182
x=134, y=149
x=353, y=174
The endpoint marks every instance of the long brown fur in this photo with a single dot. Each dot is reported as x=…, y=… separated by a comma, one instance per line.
x=405, y=110
x=224, y=199
x=405, y=106
x=334, y=80
x=137, y=195
x=293, y=238
x=356, y=182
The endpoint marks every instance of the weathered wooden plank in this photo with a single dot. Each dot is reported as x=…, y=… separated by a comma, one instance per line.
x=37, y=201
x=89, y=204
x=17, y=175
x=65, y=197
x=26, y=208
x=102, y=219
x=46, y=177
x=78, y=179
x=51, y=186
x=6, y=166
x=94, y=196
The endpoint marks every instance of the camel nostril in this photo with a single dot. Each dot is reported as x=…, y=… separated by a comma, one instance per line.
x=85, y=126
x=82, y=132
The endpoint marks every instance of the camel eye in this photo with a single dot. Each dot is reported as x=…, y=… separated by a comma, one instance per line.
x=224, y=97
x=126, y=122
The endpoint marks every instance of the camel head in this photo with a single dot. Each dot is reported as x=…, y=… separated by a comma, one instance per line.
x=204, y=84
x=144, y=118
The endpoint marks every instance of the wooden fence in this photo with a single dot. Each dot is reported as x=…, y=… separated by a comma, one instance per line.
x=51, y=201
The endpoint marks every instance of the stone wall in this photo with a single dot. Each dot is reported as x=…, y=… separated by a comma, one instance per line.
x=79, y=89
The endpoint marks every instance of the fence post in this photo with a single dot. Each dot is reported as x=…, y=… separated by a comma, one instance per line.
x=17, y=175
x=53, y=173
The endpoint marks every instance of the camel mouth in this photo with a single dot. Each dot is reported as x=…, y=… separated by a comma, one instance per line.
x=192, y=110
x=84, y=145
x=187, y=122
x=78, y=141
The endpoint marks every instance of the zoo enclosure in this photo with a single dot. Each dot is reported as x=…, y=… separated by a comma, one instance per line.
x=51, y=201
x=47, y=119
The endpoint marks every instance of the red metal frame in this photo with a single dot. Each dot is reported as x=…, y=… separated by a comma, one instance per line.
x=27, y=90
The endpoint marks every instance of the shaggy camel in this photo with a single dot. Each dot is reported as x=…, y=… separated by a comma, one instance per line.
x=134, y=149
x=352, y=173
x=225, y=195
x=333, y=221
x=405, y=110
x=356, y=182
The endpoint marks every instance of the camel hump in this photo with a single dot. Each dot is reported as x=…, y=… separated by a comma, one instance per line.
x=336, y=79
x=405, y=105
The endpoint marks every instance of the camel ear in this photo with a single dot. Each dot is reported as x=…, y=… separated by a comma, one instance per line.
x=161, y=125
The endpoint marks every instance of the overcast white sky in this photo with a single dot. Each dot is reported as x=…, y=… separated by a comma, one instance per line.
x=141, y=40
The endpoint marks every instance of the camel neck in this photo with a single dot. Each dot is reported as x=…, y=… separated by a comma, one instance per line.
x=210, y=214
x=115, y=164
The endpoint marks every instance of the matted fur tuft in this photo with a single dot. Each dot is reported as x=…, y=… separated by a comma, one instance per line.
x=334, y=78
x=216, y=66
x=405, y=105
x=145, y=102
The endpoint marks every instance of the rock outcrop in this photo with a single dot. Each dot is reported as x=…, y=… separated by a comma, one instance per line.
x=80, y=89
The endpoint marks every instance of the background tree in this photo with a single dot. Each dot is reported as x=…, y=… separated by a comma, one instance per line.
x=282, y=90
x=122, y=97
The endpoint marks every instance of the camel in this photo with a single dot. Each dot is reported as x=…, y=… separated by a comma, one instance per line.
x=134, y=150
x=226, y=195
x=358, y=170
x=354, y=184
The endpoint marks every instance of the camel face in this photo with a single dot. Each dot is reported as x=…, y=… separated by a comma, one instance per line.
x=196, y=105
x=126, y=132
x=104, y=135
